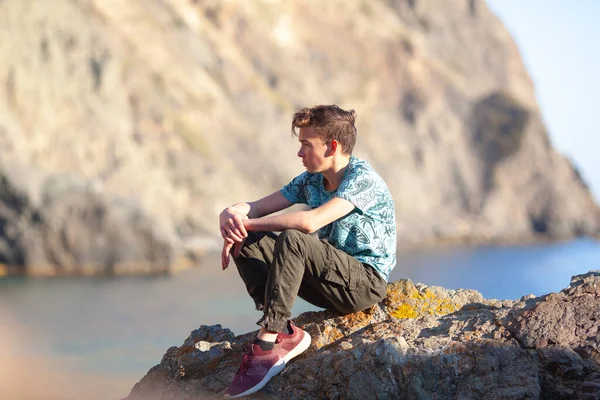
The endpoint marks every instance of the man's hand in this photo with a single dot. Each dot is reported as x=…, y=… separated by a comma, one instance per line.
x=232, y=220
x=233, y=232
x=231, y=225
x=226, y=252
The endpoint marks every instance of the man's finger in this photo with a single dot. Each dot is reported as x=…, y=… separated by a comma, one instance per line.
x=230, y=232
x=235, y=237
x=223, y=258
x=239, y=222
x=238, y=234
x=225, y=254
x=229, y=240
x=238, y=248
x=223, y=233
x=231, y=235
x=223, y=265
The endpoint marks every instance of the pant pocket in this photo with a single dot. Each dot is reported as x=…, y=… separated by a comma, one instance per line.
x=350, y=276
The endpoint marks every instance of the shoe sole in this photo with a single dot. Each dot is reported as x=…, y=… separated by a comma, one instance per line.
x=277, y=368
x=274, y=370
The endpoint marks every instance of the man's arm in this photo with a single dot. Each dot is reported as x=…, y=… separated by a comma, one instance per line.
x=304, y=221
x=231, y=219
x=265, y=206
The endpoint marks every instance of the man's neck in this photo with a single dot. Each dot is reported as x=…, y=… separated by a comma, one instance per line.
x=333, y=176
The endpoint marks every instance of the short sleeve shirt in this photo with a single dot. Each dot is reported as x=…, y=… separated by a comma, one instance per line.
x=368, y=232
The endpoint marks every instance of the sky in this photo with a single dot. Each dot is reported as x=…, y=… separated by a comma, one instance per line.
x=559, y=42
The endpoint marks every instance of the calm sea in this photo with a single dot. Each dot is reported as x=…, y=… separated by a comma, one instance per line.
x=99, y=336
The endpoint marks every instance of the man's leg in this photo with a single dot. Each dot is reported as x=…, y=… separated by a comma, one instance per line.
x=253, y=265
x=254, y=262
x=263, y=360
x=303, y=260
x=296, y=263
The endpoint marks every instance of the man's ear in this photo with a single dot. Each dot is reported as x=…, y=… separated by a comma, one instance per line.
x=334, y=146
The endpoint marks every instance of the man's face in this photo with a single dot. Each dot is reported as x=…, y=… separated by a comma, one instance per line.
x=313, y=151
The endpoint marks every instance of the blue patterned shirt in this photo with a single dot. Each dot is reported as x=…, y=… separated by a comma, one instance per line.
x=368, y=232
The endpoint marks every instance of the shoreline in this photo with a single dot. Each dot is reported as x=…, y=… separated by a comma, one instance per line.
x=193, y=252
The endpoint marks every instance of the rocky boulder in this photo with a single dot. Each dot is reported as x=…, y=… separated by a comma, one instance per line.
x=418, y=343
x=57, y=224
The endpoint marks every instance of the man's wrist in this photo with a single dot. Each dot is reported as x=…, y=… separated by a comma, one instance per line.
x=238, y=209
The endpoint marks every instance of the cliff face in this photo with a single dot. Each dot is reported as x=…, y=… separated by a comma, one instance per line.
x=183, y=107
x=418, y=343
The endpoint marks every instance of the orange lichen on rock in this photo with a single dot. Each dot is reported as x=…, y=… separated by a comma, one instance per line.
x=404, y=300
x=404, y=311
x=398, y=292
x=326, y=335
x=357, y=320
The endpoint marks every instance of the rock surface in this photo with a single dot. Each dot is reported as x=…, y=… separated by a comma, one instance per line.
x=418, y=343
x=183, y=107
x=63, y=225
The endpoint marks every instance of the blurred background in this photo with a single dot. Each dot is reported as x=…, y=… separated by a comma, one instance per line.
x=127, y=126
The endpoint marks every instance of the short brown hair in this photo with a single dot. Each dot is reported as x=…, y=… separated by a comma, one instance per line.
x=330, y=122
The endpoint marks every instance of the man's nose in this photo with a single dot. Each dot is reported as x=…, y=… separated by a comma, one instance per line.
x=300, y=153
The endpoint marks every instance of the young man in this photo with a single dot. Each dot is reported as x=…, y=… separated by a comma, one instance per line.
x=345, y=268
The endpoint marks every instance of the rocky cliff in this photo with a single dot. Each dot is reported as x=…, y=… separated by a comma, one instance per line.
x=418, y=343
x=181, y=107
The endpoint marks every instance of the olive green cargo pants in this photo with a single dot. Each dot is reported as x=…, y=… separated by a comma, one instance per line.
x=277, y=268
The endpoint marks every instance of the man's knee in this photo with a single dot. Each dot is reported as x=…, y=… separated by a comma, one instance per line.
x=250, y=247
x=289, y=237
x=255, y=237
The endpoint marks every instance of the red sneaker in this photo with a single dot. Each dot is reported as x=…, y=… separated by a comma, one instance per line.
x=258, y=367
x=290, y=345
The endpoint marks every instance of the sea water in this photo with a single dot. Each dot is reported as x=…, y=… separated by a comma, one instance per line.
x=107, y=332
